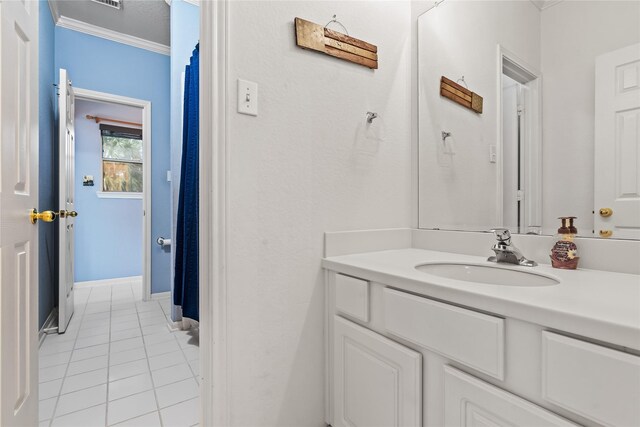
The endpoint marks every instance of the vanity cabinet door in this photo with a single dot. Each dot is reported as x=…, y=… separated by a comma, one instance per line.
x=377, y=382
x=471, y=402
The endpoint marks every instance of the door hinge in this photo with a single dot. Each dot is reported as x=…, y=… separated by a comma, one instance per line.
x=520, y=195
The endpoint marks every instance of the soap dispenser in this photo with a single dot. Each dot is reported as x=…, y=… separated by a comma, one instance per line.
x=564, y=253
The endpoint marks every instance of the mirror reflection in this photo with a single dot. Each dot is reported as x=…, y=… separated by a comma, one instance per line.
x=528, y=111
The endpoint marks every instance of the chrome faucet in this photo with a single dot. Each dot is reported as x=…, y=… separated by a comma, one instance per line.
x=506, y=252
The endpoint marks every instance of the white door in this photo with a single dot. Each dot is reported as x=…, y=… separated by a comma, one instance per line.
x=470, y=402
x=617, y=144
x=377, y=382
x=66, y=107
x=18, y=195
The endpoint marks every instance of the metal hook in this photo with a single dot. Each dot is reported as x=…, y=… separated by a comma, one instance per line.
x=461, y=80
x=335, y=20
x=371, y=116
x=445, y=135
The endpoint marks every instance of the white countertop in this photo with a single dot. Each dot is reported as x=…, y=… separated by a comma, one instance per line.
x=596, y=304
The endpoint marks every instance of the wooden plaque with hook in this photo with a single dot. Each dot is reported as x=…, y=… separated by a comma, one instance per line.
x=460, y=94
x=316, y=37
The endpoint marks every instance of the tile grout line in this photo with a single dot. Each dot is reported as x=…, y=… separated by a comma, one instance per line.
x=93, y=406
x=153, y=384
x=85, y=310
x=55, y=407
x=188, y=364
x=196, y=377
x=106, y=407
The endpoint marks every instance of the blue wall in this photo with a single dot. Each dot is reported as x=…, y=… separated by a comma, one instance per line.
x=185, y=33
x=48, y=176
x=109, y=232
x=105, y=66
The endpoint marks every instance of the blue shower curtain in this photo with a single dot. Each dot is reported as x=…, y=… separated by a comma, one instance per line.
x=185, y=289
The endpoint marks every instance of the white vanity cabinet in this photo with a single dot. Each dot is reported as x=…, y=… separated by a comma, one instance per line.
x=400, y=358
x=377, y=382
x=470, y=402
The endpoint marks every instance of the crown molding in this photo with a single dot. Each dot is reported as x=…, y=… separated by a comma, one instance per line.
x=545, y=4
x=53, y=7
x=94, y=30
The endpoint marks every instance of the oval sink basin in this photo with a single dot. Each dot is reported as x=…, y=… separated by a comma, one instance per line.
x=488, y=274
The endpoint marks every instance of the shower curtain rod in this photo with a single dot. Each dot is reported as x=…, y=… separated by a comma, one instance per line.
x=105, y=119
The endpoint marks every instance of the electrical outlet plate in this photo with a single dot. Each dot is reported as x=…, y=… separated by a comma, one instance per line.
x=247, y=97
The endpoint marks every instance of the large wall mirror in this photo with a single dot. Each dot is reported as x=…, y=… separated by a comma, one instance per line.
x=559, y=131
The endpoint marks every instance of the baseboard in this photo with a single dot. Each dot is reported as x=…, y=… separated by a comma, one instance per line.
x=90, y=283
x=52, y=319
x=161, y=295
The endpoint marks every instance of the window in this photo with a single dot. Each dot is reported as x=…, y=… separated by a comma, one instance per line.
x=121, y=159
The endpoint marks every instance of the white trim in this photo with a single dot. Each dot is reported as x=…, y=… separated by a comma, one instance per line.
x=214, y=49
x=55, y=14
x=545, y=4
x=146, y=179
x=193, y=2
x=118, y=195
x=114, y=281
x=94, y=30
x=160, y=295
x=536, y=146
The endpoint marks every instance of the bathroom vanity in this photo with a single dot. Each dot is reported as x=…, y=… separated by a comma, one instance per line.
x=459, y=341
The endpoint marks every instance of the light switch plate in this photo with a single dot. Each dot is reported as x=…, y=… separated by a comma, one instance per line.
x=247, y=97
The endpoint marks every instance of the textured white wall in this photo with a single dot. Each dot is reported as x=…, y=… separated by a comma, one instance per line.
x=307, y=164
x=573, y=35
x=460, y=38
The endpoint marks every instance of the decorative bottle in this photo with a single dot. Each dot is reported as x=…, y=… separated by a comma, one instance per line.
x=564, y=253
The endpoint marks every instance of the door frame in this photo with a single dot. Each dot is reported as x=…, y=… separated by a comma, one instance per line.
x=91, y=95
x=213, y=195
x=533, y=175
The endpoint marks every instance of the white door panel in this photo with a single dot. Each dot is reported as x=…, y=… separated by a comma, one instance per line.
x=378, y=382
x=470, y=402
x=617, y=143
x=66, y=111
x=18, y=195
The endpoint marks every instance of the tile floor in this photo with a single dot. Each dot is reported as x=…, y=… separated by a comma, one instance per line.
x=118, y=364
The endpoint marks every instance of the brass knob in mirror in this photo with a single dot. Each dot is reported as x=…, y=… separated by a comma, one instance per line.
x=46, y=216
x=606, y=233
x=606, y=212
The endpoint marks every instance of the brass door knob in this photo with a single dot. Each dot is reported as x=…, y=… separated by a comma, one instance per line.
x=46, y=216
x=606, y=233
x=606, y=212
x=63, y=214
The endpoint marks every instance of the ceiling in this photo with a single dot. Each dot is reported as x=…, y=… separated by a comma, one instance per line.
x=145, y=19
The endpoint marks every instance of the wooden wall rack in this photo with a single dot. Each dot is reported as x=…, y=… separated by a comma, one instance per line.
x=460, y=94
x=316, y=37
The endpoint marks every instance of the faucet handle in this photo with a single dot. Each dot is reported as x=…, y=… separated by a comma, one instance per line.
x=502, y=234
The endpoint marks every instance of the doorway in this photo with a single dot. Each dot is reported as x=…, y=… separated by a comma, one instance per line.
x=93, y=302
x=118, y=360
x=520, y=142
x=113, y=167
